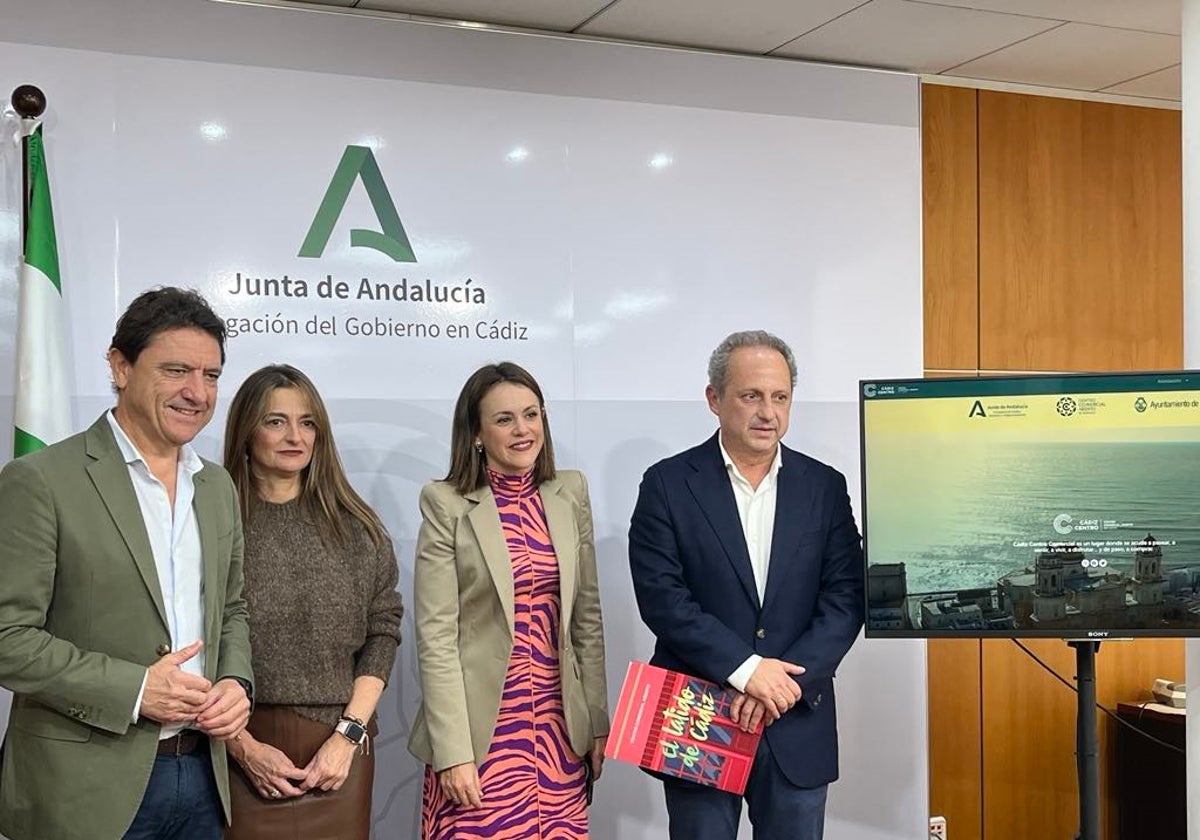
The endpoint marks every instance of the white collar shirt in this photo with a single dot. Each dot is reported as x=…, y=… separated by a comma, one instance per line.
x=756, y=511
x=174, y=536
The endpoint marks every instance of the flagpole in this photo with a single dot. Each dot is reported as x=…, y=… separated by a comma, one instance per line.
x=30, y=103
x=41, y=403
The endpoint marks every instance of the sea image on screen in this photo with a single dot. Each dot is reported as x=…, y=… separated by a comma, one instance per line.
x=1026, y=517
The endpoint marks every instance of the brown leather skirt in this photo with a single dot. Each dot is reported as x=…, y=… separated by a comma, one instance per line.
x=335, y=815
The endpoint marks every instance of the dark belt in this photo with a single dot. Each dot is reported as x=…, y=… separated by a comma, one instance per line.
x=185, y=743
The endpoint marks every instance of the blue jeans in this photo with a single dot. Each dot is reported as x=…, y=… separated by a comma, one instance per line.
x=778, y=809
x=181, y=801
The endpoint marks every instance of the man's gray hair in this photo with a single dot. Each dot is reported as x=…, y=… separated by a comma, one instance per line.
x=718, y=362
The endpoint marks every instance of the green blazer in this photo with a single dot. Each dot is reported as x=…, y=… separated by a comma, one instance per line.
x=463, y=595
x=81, y=617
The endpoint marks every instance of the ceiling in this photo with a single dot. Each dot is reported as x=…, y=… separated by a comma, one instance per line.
x=1126, y=48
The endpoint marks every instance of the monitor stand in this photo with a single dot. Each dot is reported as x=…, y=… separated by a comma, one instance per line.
x=1087, y=742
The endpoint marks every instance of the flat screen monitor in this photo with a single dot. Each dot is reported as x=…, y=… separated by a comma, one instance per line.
x=1056, y=506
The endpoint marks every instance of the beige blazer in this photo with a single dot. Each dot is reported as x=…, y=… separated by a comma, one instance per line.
x=463, y=594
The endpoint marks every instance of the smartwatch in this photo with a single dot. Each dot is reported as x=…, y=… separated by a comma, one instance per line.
x=352, y=730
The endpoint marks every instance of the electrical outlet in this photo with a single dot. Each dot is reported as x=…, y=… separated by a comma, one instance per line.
x=937, y=828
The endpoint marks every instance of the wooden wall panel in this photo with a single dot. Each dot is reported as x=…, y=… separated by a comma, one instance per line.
x=1029, y=787
x=956, y=736
x=1080, y=235
x=951, y=261
x=955, y=681
x=1029, y=775
x=1079, y=239
x=950, y=227
x=1133, y=193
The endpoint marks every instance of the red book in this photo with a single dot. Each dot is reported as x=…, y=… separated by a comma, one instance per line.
x=679, y=725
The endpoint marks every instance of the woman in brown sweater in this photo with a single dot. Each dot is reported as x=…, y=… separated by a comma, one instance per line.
x=324, y=619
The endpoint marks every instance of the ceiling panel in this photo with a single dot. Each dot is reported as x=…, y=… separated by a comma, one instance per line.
x=913, y=36
x=1116, y=46
x=1148, y=15
x=1077, y=56
x=1165, y=84
x=555, y=15
x=755, y=26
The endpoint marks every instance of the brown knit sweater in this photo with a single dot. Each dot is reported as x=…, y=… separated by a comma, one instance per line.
x=319, y=616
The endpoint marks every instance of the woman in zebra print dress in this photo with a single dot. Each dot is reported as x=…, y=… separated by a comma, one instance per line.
x=510, y=642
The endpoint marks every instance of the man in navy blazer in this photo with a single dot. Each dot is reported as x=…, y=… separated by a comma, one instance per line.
x=748, y=569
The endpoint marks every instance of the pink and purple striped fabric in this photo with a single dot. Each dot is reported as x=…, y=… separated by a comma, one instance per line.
x=533, y=783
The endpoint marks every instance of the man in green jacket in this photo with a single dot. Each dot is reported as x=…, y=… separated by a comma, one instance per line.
x=123, y=632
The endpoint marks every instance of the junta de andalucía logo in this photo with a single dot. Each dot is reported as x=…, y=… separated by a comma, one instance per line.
x=358, y=163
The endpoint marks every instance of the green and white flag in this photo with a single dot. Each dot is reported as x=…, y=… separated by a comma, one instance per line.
x=43, y=411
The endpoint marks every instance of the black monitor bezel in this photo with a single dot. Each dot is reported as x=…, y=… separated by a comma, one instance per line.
x=1098, y=634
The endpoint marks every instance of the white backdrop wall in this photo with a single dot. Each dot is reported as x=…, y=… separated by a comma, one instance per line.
x=618, y=209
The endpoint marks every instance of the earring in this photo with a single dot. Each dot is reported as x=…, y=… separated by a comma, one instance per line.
x=479, y=446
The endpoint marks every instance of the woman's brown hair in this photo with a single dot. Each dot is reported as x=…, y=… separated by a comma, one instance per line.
x=325, y=494
x=468, y=466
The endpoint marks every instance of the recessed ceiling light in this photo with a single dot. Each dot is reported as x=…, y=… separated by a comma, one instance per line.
x=213, y=131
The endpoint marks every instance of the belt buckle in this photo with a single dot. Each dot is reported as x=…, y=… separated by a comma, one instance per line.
x=182, y=743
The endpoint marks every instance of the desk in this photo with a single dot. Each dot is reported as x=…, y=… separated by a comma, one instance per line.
x=1151, y=779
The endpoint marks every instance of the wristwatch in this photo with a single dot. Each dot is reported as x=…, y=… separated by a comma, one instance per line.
x=352, y=730
x=246, y=685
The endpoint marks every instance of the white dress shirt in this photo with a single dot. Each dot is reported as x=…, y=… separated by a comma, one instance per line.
x=756, y=510
x=175, y=542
